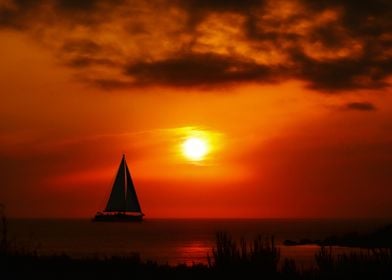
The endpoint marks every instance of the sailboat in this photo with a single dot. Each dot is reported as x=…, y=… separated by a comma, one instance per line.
x=123, y=204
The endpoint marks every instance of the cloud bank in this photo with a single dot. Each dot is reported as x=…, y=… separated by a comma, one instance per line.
x=330, y=45
x=360, y=106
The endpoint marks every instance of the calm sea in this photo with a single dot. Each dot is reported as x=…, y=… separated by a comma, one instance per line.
x=170, y=240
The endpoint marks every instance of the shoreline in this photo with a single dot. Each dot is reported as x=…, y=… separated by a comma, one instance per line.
x=378, y=239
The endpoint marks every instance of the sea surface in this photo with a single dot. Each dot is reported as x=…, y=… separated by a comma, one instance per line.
x=173, y=241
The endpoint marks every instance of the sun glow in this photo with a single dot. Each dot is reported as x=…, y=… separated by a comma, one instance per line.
x=195, y=148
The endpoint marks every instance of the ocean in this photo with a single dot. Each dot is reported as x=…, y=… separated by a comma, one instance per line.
x=173, y=241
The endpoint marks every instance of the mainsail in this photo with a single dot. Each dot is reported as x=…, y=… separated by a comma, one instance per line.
x=123, y=197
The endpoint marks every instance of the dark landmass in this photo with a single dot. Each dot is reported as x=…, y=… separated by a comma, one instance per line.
x=381, y=238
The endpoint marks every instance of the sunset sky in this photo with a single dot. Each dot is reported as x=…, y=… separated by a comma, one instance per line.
x=292, y=99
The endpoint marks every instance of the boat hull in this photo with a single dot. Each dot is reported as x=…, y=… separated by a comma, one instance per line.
x=118, y=217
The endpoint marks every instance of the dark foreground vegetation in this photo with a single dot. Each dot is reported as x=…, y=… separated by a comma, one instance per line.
x=229, y=259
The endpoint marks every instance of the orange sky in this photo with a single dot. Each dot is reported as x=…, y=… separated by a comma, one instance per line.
x=293, y=97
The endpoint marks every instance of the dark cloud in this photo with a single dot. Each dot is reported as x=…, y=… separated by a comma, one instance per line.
x=359, y=16
x=222, y=5
x=331, y=45
x=85, y=53
x=15, y=14
x=349, y=73
x=81, y=46
x=197, y=10
x=360, y=106
x=76, y=4
x=193, y=70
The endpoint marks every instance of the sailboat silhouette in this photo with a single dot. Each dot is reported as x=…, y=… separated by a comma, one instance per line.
x=123, y=204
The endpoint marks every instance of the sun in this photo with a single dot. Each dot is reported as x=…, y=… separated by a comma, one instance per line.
x=195, y=148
